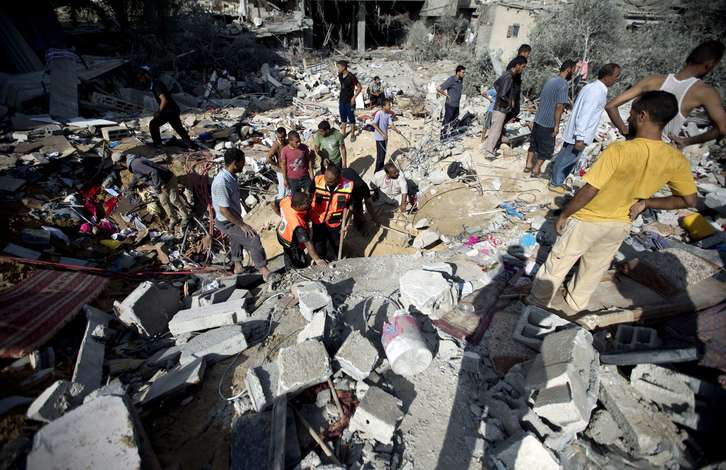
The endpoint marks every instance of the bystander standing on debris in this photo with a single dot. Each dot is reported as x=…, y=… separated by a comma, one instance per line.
x=552, y=101
x=163, y=182
x=376, y=92
x=329, y=146
x=350, y=88
x=329, y=211
x=293, y=232
x=523, y=51
x=228, y=218
x=273, y=158
x=618, y=188
x=390, y=187
x=452, y=89
x=296, y=164
x=582, y=126
x=690, y=90
x=506, y=101
x=382, y=121
x=168, y=112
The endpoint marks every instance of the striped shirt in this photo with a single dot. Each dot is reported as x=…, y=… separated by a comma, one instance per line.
x=554, y=92
x=225, y=193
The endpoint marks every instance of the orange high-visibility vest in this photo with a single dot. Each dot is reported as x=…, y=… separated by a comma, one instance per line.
x=327, y=207
x=290, y=219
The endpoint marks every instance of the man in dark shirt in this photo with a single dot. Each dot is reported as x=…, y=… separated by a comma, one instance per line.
x=350, y=88
x=451, y=89
x=168, y=112
x=507, y=98
x=360, y=196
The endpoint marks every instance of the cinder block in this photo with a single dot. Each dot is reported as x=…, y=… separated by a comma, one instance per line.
x=165, y=357
x=115, y=132
x=315, y=329
x=535, y=323
x=525, y=453
x=377, y=415
x=262, y=384
x=52, y=403
x=629, y=338
x=357, y=356
x=312, y=296
x=88, y=372
x=149, y=307
x=208, y=317
x=214, y=345
x=302, y=366
x=172, y=382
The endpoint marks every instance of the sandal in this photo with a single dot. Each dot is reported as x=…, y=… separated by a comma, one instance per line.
x=527, y=169
x=535, y=175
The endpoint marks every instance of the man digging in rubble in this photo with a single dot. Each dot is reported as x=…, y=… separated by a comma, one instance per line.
x=329, y=146
x=273, y=158
x=162, y=182
x=296, y=164
x=552, y=101
x=452, y=89
x=383, y=121
x=390, y=187
x=168, y=112
x=350, y=88
x=618, y=188
x=228, y=219
x=329, y=211
x=690, y=91
x=293, y=232
x=505, y=104
x=582, y=126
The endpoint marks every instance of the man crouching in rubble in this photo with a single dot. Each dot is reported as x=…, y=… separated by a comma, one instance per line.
x=228, y=209
x=162, y=181
x=293, y=232
x=619, y=186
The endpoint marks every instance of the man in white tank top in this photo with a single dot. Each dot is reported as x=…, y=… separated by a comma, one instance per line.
x=690, y=92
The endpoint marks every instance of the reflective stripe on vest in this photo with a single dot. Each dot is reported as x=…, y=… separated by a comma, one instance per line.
x=327, y=208
x=290, y=219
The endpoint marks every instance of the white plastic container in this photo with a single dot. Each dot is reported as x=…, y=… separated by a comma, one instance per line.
x=405, y=348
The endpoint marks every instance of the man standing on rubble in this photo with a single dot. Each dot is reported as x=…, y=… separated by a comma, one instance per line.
x=350, y=88
x=162, y=181
x=329, y=211
x=582, y=126
x=293, y=232
x=452, y=89
x=504, y=105
x=552, y=101
x=228, y=214
x=296, y=165
x=273, y=158
x=618, y=188
x=168, y=112
x=690, y=91
x=329, y=146
x=382, y=121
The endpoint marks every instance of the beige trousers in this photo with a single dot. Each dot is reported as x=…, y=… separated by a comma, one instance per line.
x=495, y=131
x=594, y=244
x=172, y=202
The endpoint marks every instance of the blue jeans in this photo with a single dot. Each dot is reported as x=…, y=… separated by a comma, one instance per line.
x=564, y=163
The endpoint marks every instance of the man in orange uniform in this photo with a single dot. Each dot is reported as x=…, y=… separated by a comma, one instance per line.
x=293, y=232
x=331, y=199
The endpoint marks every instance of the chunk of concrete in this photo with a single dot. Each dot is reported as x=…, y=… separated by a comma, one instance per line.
x=535, y=323
x=312, y=296
x=302, y=366
x=425, y=239
x=603, y=429
x=52, y=403
x=357, y=356
x=262, y=385
x=88, y=372
x=315, y=329
x=628, y=338
x=525, y=453
x=165, y=357
x=102, y=433
x=208, y=317
x=214, y=345
x=172, y=382
x=429, y=292
x=377, y=415
x=114, y=388
x=149, y=307
x=652, y=356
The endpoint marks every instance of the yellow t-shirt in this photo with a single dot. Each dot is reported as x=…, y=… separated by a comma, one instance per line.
x=633, y=170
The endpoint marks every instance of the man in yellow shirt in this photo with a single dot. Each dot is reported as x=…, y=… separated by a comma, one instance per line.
x=619, y=186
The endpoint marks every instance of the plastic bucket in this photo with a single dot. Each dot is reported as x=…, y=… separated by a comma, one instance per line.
x=405, y=348
x=698, y=227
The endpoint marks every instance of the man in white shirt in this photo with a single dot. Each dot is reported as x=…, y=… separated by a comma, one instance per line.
x=582, y=126
x=390, y=187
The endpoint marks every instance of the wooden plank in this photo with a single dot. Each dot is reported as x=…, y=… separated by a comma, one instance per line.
x=278, y=431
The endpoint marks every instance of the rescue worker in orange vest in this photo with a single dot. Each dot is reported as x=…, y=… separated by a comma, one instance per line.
x=293, y=232
x=331, y=198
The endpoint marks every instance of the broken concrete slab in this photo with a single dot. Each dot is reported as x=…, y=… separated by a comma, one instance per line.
x=114, y=388
x=52, y=403
x=102, y=433
x=525, y=452
x=315, y=329
x=377, y=415
x=357, y=356
x=262, y=385
x=535, y=323
x=149, y=307
x=214, y=345
x=429, y=292
x=88, y=372
x=653, y=356
x=312, y=296
x=172, y=382
x=425, y=239
x=165, y=357
x=208, y=317
x=301, y=366
x=603, y=429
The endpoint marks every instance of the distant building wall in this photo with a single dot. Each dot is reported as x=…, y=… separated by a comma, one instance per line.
x=504, y=28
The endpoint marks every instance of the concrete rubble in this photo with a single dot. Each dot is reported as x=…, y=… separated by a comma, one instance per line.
x=377, y=415
x=357, y=356
x=429, y=292
x=208, y=317
x=149, y=307
x=311, y=296
x=214, y=345
x=301, y=366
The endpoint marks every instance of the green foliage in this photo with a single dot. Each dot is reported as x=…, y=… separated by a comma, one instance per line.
x=479, y=70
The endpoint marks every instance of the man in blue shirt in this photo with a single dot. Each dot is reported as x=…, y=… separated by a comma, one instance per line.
x=381, y=123
x=452, y=89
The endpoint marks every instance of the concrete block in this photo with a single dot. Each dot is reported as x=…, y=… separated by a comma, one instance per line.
x=88, y=372
x=526, y=453
x=535, y=323
x=214, y=345
x=603, y=429
x=315, y=329
x=149, y=307
x=491, y=430
x=208, y=317
x=357, y=356
x=102, y=433
x=52, y=403
x=429, y=292
x=425, y=239
x=653, y=356
x=262, y=384
x=172, y=382
x=533, y=423
x=377, y=415
x=238, y=294
x=302, y=366
x=114, y=132
x=219, y=295
x=312, y=296
x=165, y=357
x=114, y=388
x=635, y=338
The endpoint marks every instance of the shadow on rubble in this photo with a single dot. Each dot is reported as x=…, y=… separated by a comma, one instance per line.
x=362, y=164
